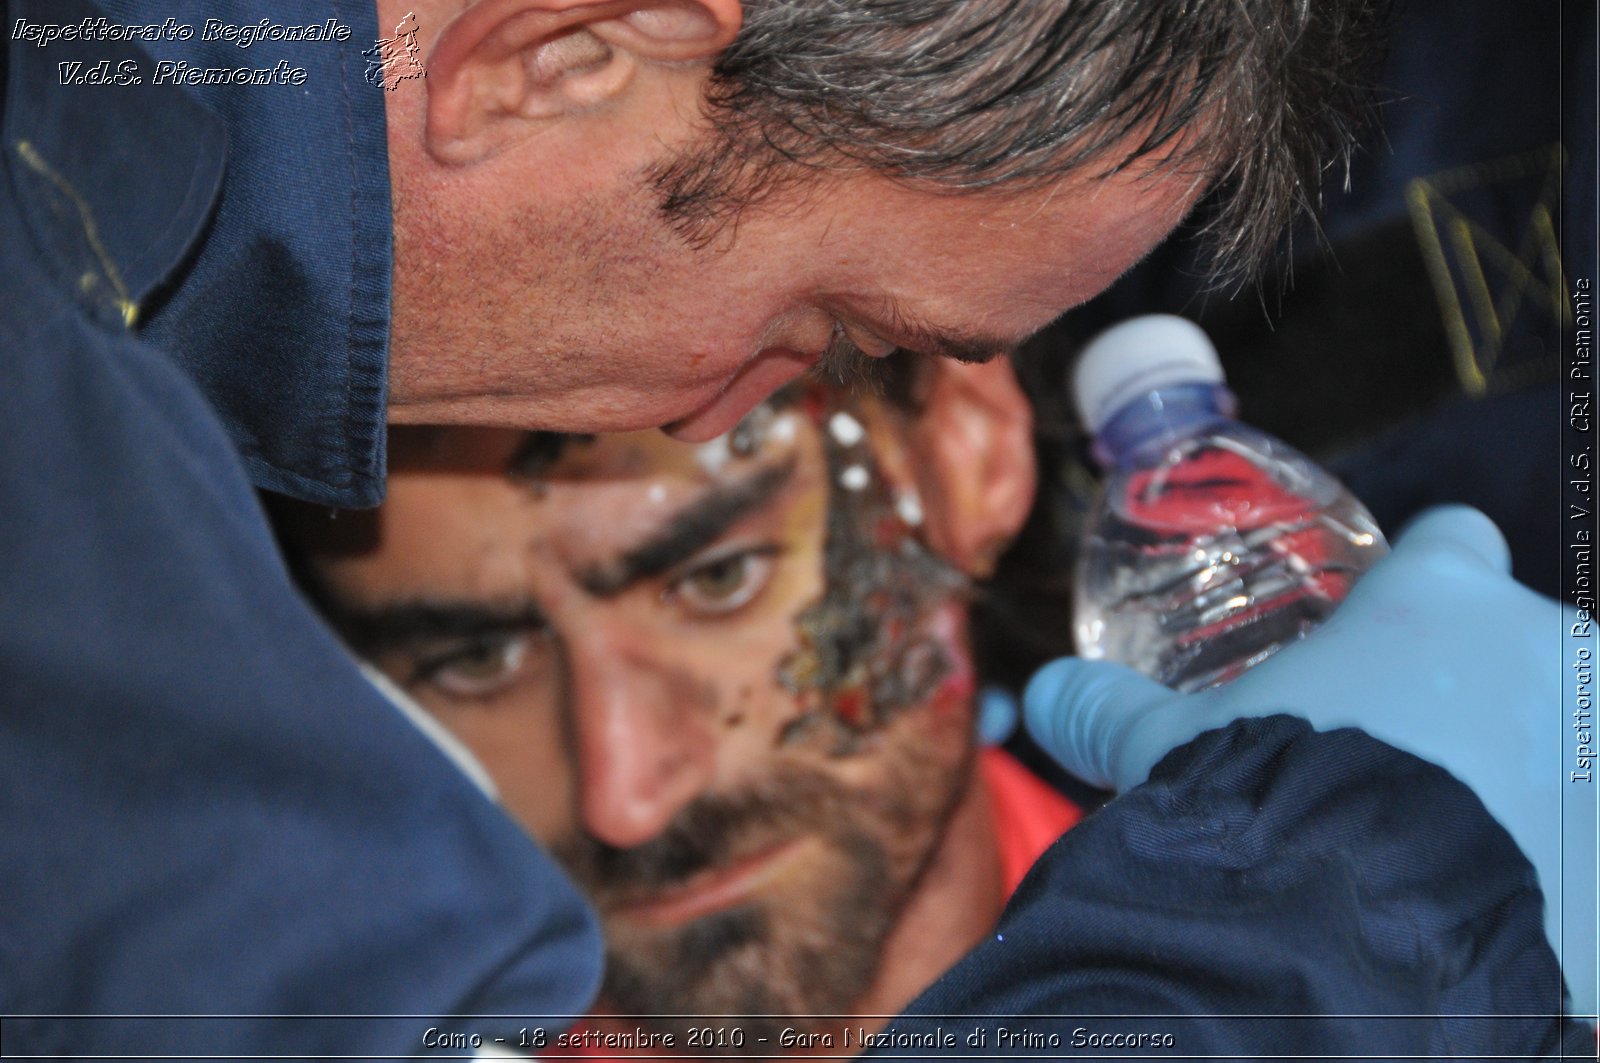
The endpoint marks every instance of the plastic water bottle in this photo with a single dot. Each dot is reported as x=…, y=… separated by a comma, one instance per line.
x=1211, y=545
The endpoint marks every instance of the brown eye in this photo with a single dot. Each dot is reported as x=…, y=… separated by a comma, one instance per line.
x=477, y=667
x=723, y=584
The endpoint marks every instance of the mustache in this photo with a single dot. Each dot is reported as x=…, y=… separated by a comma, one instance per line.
x=845, y=366
x=715, y=830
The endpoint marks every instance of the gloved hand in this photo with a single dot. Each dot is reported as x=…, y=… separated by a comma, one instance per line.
x=1436, y=651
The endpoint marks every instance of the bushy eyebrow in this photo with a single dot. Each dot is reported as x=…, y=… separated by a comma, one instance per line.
x=687, y=531
x=403, y=624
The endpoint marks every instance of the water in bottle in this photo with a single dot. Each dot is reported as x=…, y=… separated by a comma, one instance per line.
x=1211, y=545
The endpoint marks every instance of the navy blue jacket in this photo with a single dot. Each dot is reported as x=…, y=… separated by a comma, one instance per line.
x=1271, y=891
x=212, y=827
x=204, y=808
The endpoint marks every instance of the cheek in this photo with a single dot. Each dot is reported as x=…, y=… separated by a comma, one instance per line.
x=947, y=638
x=710, y=324
x=720, y=677
x=753, y=701
x=526, y=754
x=542, y=797
x=697, y=691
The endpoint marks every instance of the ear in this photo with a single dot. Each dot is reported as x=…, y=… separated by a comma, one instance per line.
x=503, y=69
x=969, y=453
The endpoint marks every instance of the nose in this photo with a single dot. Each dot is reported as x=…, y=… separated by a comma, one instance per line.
x=646, y=749
x=765, y=374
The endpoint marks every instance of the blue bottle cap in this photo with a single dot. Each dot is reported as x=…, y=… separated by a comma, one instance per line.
x=1136, y=357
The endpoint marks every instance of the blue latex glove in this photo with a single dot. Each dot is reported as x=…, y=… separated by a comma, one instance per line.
x=1436, y=651
x=997, y=716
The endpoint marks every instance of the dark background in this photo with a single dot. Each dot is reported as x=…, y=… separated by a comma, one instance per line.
x=1414, y=345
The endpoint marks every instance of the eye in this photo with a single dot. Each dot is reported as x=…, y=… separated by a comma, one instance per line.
x=476, y=667
x=720, y=585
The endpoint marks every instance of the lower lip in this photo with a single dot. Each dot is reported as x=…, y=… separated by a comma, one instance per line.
x=713, y=891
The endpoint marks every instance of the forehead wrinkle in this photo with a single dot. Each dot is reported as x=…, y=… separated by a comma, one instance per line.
x=693, y=525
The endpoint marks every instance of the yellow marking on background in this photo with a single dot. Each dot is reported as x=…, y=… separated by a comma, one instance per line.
x=1443, y=229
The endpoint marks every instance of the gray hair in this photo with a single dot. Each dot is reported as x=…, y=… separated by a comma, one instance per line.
x=967, y=95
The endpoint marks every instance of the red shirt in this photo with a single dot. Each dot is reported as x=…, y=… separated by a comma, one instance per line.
x=1028, y=815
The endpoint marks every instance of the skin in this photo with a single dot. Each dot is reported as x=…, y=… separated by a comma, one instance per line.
x=536, y=283
x=619, y=674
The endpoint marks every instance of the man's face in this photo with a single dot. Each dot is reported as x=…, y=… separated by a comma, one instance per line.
x=723, y=682
x=598, y=316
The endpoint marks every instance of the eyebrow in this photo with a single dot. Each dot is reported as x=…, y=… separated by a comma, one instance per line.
x=408, y=623
x=923, y=337
x=687, y=531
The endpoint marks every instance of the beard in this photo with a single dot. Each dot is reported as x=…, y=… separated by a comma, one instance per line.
x=805, y=950
x=762, y=966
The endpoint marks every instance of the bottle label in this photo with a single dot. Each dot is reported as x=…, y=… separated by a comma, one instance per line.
x=1210, y=488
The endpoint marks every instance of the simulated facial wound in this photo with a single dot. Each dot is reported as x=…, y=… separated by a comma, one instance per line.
x=868, y=650
x=725, y=682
